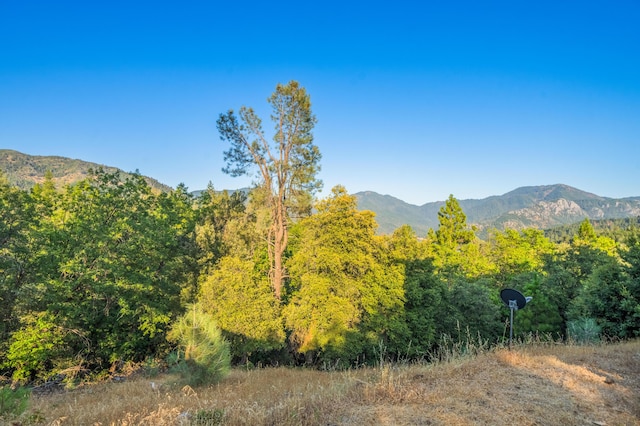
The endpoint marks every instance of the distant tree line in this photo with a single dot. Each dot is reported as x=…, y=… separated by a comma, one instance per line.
x=102, y=273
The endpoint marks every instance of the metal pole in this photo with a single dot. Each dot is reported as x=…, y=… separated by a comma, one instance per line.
x=513, y=305
x=511, y=329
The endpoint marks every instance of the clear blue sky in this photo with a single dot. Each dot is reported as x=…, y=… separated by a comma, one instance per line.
x=417, y=100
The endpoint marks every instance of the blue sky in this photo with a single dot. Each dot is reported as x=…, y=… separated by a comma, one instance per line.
x=417, y=100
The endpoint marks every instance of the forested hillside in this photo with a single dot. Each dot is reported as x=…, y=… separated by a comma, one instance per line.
x=540, y=207
x=25, y=170
x=94, y=276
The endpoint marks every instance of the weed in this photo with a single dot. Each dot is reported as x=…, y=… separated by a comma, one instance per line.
x=537, y=381
x=13, y=402
x=204, y=417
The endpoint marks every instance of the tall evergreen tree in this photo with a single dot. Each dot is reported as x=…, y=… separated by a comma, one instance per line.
x=457, y=250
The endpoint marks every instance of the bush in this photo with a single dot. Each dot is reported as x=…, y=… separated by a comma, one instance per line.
x=13, y=402
x=204, y=355
x=35, y=348
x=584, y=330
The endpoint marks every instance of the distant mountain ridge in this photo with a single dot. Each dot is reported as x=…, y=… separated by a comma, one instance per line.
x=24, y=170
x=540, y=207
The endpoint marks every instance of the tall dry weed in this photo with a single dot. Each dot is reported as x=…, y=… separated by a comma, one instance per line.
x=539, y=384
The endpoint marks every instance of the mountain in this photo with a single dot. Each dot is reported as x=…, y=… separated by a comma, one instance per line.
x=24, y=171
x=541, y=207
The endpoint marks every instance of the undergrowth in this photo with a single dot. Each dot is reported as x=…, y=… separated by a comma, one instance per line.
x=466, y=381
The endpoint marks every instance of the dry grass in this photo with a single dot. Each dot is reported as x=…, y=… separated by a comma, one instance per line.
x=534, y=385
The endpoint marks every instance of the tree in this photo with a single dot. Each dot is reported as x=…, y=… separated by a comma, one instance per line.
x=517, y=252
x=543, y=314
x=424, y=292
x=221, y=226
x=610, y=297
x=243, y=306
x=206, y=355
x=587, y=236
x=112, y=259
x=286, y=167
x=469, y=311
x=347, y=295
x=457, y=250
x=16, y=219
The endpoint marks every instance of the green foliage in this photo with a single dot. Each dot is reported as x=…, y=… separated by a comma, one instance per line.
x=37, y=347
x=206, y=355
x=97, y=273
x=16, y=220
x=470, y=308
x=109, y=260
x=542, y=314
x=456, y=248
x=424, y=293
x=425, y=297
x=346, y=294
x=453, y=231
x=631, y=256
x=584, y=330
x=587, y=236
x=223, y=227
x=287, y=166
x=242, y=303
x=611, y=298
x=517, y=252
x=13, y=402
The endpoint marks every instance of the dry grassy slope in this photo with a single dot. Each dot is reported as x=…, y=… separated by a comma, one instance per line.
x=556, y=385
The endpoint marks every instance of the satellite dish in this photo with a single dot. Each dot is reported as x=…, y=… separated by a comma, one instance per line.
x=514, y=300
x=513, y=297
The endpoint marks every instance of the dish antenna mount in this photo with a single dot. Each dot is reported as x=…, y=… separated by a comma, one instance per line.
x=514, y=300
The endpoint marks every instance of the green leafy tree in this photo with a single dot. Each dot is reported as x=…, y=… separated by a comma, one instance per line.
x=568, y=269
x=470, y=310
x=16, y=220
x=560, y=285
x=287, y=167
x=424, y=293
x=112, y=259
x=631, y=255
x=222, y=226
x=347, y=296
x=587, y=236
x=39, y=347
x=242, y=303
x=517, y=252
x=542, y=315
